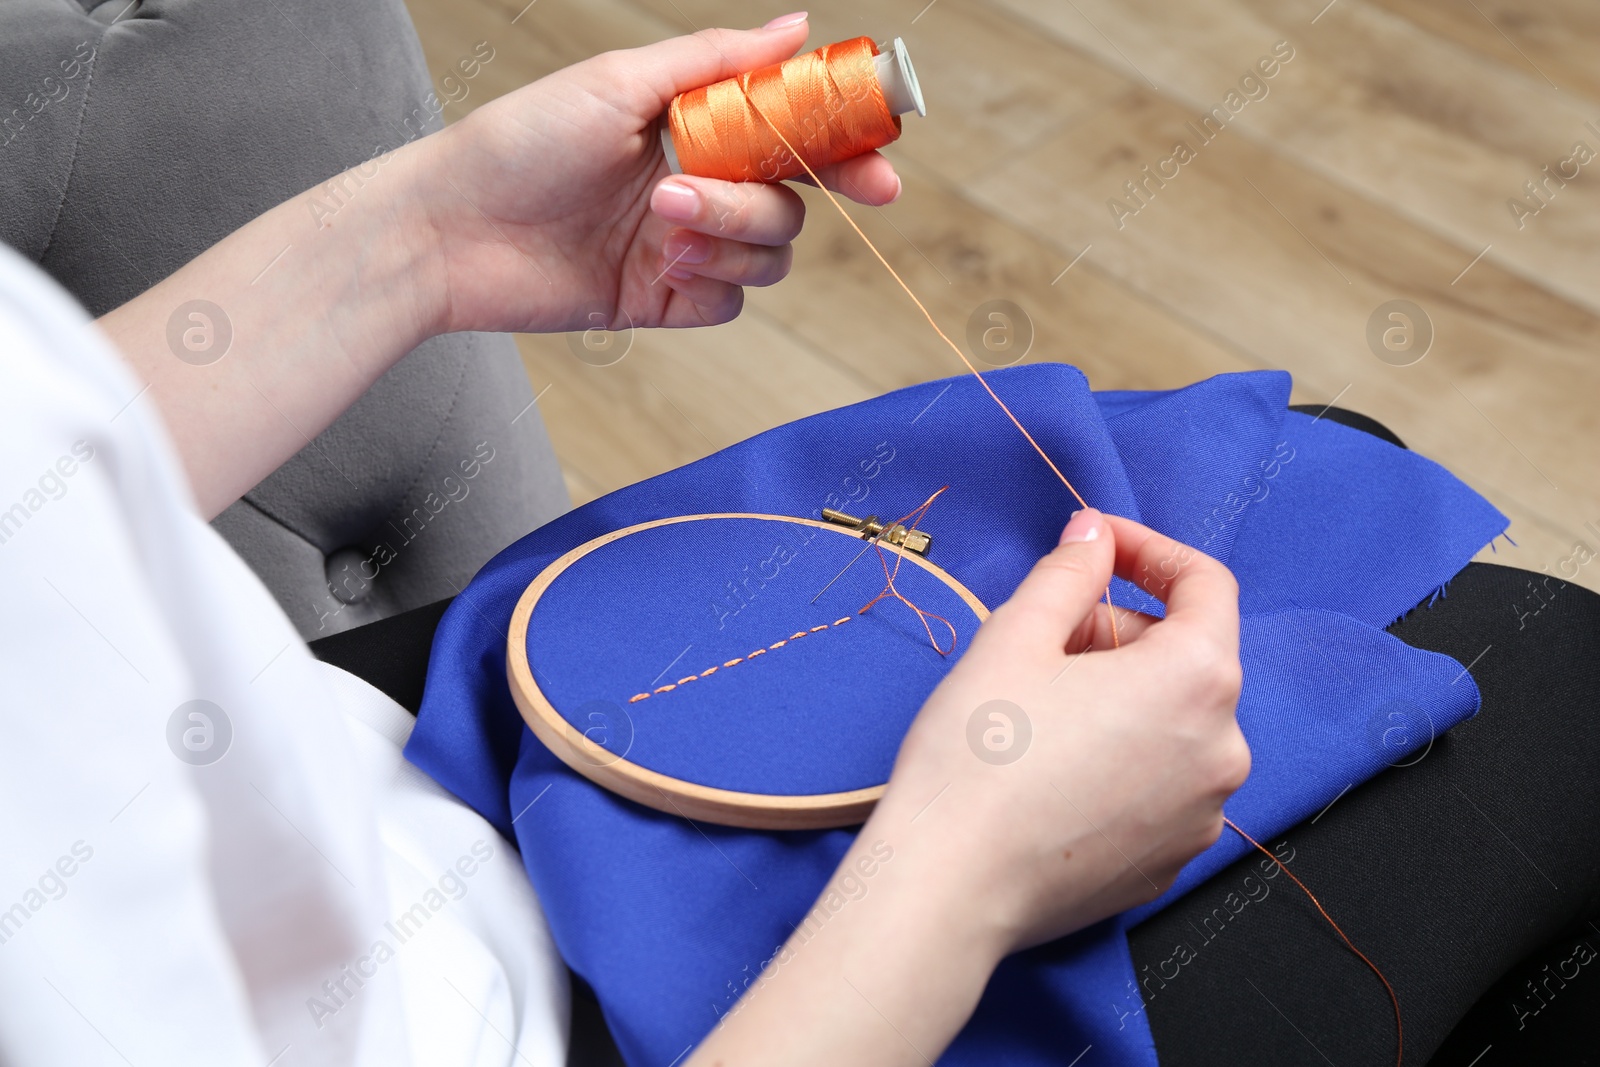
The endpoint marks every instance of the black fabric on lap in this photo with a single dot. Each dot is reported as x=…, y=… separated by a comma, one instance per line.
x=1479, y=860
x=390, y=654
x=591, y=1044
x=1535, y=1015
x=1353, y=419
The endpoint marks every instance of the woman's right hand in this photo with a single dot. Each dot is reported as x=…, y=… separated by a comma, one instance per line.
x=1133, y=749
x=1054, y=778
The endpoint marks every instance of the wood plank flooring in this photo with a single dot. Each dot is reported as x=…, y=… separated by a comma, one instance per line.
x=1376, y=163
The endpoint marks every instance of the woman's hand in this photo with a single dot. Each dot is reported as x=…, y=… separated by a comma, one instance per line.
x=1050, y=781
x=545, y=210
x=1080, y=777
x=551, y=213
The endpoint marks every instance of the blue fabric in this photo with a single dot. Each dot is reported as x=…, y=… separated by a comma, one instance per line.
x=814, y=711
x=1332, y=533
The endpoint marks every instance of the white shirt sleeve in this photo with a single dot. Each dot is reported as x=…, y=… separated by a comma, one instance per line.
x=212, y=851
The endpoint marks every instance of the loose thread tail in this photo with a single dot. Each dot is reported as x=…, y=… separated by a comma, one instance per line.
x=1400, y=1034
x=909, y=520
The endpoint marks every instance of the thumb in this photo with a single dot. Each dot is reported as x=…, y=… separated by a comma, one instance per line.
x=1050, y=605
x=679, y=64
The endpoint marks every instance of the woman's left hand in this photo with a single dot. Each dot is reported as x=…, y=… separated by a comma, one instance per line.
x=553, y=207
x=550, y=209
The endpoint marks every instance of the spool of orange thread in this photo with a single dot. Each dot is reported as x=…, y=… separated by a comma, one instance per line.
x=838, y=102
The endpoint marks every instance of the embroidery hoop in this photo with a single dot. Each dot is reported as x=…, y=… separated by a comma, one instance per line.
x=665, y=793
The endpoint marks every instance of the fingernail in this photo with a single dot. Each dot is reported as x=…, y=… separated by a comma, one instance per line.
x=680, y=275
x=676, y=201
x=1083, y=526
x=899, y=187
x=783, y=22
x=685, y=246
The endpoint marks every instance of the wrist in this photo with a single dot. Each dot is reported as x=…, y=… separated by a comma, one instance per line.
x=891, y=938
x=472, y=261
x=377, y=217
x=965, y=906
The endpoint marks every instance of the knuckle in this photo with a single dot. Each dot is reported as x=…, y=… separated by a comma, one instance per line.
x=1233, y=763
x=1223, y=679
x=721, y=303
x=717, y=38
x=1226, y=582
x=731, y=305
x=1207, y=666
x=776, y=264
x=614, y=66
x=1229, y=579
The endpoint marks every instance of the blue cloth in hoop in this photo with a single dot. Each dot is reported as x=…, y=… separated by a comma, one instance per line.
x=1332, y=534
x=820, y=708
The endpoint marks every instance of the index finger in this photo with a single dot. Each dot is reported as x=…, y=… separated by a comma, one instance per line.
x=1196, y=589
x=679, y=64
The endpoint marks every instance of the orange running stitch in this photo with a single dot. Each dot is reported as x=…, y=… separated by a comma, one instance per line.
x=732, y=662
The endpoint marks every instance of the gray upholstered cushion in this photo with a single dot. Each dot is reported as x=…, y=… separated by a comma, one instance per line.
x=142, y=134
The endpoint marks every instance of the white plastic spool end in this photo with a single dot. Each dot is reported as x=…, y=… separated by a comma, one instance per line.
x=898, y=78
x=670, y=150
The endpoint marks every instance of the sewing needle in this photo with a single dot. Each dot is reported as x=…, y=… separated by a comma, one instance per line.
x=847, y=566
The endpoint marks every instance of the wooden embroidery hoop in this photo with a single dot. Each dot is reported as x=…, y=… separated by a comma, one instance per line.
x=675, y=796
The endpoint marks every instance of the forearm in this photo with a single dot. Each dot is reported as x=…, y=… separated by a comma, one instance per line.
x=534, y=213
x=884, y=970
x=317, y=297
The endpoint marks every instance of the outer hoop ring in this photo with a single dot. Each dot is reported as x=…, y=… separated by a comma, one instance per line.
x=674, y=796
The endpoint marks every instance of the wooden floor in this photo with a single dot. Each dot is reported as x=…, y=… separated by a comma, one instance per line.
x=1378, y=166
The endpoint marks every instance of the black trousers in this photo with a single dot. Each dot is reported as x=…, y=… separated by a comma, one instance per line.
x=1470, y=875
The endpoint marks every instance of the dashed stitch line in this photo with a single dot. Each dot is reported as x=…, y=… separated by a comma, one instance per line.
x=735, y=662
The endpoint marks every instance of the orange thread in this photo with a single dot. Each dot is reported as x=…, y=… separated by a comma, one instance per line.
x=766, y=116
x=889, y=589
x=827, y=102
x=869, y=75
x=734, y=662
x=1400, y=1035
